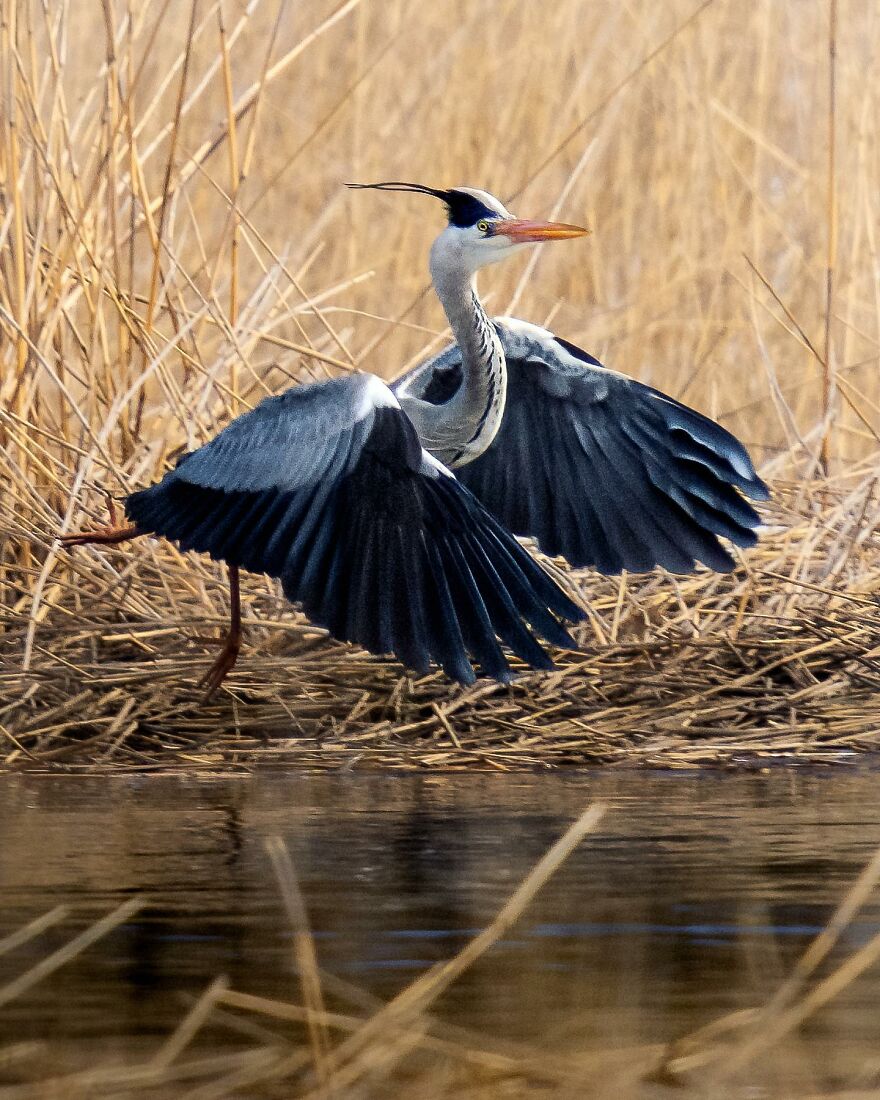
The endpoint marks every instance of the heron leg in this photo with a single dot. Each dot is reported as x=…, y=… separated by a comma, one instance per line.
x=228, y=655
x=103, y=536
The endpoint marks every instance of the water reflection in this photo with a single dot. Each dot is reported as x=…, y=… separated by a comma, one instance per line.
x=693, y=900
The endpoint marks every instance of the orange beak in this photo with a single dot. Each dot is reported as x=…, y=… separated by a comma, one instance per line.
x=525, y=232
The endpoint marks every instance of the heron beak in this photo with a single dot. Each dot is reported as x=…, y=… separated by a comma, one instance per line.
x=525, y=232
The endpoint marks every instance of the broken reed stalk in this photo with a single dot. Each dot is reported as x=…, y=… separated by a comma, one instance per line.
x=828, y=365
x=305, y=957
x=190, y=1025
x=73, y=948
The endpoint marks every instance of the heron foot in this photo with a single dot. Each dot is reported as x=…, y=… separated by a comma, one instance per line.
x=222, y=666
x=104, y=536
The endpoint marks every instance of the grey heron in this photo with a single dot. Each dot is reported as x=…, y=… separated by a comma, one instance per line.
x=389, y=512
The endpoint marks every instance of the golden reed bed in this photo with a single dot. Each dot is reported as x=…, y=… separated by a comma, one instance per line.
x=175, y=242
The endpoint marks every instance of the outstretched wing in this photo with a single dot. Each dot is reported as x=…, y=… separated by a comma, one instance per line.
x=602, y=469
x=328, y=488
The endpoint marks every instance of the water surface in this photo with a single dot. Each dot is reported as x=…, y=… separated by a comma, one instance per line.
x=692, y=900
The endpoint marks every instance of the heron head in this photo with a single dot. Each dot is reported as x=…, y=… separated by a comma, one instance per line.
x=481, y=229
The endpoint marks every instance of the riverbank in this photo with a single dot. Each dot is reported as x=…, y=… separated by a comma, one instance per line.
x=778, y=661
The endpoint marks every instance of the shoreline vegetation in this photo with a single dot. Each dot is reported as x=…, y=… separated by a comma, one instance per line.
x=773, y=662
x=175, y=242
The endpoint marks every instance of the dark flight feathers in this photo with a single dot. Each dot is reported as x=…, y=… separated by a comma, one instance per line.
x=605, y=471
x=327, y=488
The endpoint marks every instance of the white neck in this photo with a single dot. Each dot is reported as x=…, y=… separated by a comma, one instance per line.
x=479, y=405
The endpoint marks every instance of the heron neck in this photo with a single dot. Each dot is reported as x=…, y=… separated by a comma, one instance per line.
x=479, y=403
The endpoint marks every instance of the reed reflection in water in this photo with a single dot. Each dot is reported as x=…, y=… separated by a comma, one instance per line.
x=692, y=900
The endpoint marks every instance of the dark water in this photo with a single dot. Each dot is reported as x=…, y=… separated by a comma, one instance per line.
x=692, y=900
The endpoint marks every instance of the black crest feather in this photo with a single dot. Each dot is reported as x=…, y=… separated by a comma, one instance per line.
x=463, y=209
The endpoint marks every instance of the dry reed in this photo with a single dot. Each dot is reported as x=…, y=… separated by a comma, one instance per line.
x=175, y=242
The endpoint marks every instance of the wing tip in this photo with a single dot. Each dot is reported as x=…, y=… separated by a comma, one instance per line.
x=758, y=489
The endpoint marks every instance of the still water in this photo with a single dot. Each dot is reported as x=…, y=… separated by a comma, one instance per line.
x=692, y=899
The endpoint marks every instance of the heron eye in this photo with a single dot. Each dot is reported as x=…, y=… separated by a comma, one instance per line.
x=483, y=225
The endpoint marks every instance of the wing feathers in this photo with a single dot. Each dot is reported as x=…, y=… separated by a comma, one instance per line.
x=608, y=472
x=377, y=543
x=717, y=441
x=504, y=611
x=410, y=601
x=450, y=645
x=652, y=520
x=476, y=626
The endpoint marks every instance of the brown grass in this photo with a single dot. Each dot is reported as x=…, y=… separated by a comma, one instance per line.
x=175, y=242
